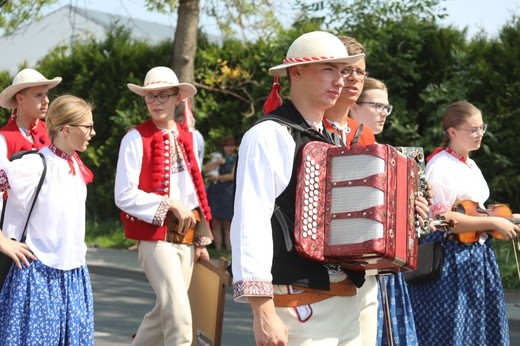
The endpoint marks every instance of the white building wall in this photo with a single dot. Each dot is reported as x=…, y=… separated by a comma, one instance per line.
x=63, y=27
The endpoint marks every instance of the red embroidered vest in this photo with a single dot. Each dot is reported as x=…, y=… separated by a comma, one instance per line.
x=155, y=177
x=17, y=142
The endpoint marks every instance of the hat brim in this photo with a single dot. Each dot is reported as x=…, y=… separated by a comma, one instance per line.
x=281, y=70
x=186, y=90
x=7, y=99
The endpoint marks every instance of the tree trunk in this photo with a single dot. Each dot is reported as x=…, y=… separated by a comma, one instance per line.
x=185, y=41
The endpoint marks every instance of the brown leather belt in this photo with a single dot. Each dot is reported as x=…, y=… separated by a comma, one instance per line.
x=343, y=288
x=172, y=235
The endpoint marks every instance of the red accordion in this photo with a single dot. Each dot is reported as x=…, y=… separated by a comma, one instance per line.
x=356, y=207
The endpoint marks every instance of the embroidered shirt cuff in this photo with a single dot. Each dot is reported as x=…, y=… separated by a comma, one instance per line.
x=160, y=214
x=252, y=288
x=440, y=208
x=4, y=182
x=202, y=241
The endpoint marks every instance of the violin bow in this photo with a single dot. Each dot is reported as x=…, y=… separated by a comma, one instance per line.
x=515, y=249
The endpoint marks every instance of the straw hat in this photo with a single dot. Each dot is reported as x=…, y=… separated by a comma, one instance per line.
x=159, y=78
x=26, y=78
x=314, y=47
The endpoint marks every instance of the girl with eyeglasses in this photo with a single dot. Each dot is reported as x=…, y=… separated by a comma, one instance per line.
x=372, y=107
x=398, y=328
x=466, y=305
x=46, y=298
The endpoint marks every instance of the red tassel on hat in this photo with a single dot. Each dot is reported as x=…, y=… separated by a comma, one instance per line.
x=274, y=100
x=435, y=152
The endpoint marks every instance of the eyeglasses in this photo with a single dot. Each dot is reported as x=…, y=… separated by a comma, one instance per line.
x=474, y=132
x=360, y=74
x=88, y=127
x=163, y=98
x=379, y=107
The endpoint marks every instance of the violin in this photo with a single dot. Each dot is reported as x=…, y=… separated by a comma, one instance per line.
x=468, y=207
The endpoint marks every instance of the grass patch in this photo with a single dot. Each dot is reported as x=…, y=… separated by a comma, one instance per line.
x=110, y=234
x=106, y=234
x=506, y=261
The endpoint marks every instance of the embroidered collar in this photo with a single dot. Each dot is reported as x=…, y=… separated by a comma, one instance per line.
x=27, y=133
x=463, y=159
x=336, y=126
x=60, y=153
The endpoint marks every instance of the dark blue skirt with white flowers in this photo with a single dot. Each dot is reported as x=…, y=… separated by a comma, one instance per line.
x=40, y=305
x=399, y=326
x=466, y=305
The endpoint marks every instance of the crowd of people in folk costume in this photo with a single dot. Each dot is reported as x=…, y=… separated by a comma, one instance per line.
x=170, y=201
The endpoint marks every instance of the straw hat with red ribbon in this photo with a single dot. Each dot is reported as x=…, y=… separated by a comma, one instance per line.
x=309, y=48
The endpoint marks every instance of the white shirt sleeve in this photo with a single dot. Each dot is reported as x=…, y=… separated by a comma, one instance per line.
x=198, y=147
x=265, y=164
x=452, y=180
x=3, y=146
x=128, y=197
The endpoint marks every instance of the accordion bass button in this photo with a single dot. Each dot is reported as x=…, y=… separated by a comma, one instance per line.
x=318, y=166
x=304, y=234
x=313, y=237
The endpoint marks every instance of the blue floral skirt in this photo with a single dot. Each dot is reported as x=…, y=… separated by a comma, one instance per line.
x=466, y=305
x=40, y=305
x=394, y=301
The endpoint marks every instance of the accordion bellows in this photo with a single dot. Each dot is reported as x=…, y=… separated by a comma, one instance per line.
x=356, y=207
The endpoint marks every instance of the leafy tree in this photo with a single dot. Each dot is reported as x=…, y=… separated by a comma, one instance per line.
x=495, y=86
x=15, y=13
x=99, y=72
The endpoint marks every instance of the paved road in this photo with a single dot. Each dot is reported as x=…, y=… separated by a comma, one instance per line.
x=122, y=296
x=120, y=304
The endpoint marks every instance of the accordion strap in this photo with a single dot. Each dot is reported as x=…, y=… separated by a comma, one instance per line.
x=315, y=135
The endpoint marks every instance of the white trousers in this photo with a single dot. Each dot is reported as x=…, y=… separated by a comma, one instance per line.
x=168, y=268
x=368, y=304
x=346, y=321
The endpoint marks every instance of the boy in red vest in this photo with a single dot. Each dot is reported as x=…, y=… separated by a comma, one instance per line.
x=28, y=99
x=162, y=198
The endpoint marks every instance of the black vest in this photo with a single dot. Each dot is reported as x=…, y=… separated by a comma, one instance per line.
x=288, y=266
